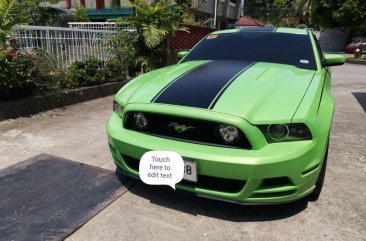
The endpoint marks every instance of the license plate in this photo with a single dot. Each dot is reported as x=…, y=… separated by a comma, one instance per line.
x=190, y=171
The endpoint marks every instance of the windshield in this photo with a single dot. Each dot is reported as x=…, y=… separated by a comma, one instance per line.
x=272, y=47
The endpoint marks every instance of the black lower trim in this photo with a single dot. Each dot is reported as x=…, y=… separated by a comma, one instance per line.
x=205, y=182
x=301, y=199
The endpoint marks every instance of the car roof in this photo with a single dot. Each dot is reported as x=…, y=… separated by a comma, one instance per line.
x=265, y=29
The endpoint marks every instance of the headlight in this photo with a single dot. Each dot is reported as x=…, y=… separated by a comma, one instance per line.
x=228, y=134
x=117, y=107
x=286, y=132
x=277, y=132
x=140, y=121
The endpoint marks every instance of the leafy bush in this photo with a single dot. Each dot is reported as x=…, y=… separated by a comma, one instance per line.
x=80, y=14
x=35, y=73
x=124, y=51
x=114, y=71
x=155, y=23
x=17, y=74
x=85, y=73
x=61, y=81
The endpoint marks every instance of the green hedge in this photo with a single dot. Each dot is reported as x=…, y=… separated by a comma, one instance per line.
x=17, y=75
x=23, y=74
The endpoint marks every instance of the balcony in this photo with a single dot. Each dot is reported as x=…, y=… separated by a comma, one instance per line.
x=225, y=8
x=107, y=13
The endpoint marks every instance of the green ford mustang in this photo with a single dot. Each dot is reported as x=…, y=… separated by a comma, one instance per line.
x=249, y=111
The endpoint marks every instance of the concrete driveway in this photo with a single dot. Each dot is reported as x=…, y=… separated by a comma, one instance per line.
x=149, y=213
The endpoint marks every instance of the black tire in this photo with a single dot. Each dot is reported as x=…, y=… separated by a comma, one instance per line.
x=320, y=181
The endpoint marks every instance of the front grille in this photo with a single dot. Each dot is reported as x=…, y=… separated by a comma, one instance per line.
x=203, y=181
x=216, y=184
x=199, y=131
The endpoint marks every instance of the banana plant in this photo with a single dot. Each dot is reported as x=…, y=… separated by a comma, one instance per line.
x=153, y=21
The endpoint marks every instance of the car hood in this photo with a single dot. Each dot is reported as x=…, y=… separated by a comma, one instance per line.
x=261, y=93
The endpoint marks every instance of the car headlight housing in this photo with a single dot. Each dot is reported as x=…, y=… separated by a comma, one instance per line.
x=117, y=108
x=140, y=121
x=227, y=133
x=286, y=132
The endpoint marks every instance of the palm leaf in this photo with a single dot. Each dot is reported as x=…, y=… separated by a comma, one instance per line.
x=6, y=6
x=153, y=36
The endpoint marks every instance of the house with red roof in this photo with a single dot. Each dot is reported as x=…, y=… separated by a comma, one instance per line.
x=246, y=21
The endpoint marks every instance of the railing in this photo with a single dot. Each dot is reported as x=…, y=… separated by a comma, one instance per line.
x=65, y=45
x=108, y=26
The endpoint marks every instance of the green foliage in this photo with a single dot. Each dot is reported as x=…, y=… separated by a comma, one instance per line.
x=36, y=73
x=85, y=73
x=114, y=71
x=350, y=14
x=14, y=12
x=80, y=14
x=17, y=74
x=60, y=81
x=287, y=13
x=155, y=22
x=45, y=65
x=44, y=62
x=36, y=12
x=26, y=73
x=124, y=51
x=115, y=3
x=90, y=72
x=9, y=16
x=183, y=15
x=152, y=35
x=47, y=16
x=199, y=22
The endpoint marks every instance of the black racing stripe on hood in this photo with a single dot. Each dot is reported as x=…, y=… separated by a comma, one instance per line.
x=180, y=76
x=199, y=87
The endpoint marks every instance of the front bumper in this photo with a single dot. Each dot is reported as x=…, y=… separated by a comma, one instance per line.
x=274, y=173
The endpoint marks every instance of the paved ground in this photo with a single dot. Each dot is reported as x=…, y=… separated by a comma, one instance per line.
x=149, y=213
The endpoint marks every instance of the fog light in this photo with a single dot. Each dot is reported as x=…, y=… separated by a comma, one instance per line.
x=140, y=121
x=278, y=132
x=228, y=134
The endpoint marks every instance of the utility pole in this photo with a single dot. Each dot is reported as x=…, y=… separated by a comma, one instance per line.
x=215, y=13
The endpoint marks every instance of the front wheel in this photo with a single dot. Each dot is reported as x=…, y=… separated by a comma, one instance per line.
x=320, y=181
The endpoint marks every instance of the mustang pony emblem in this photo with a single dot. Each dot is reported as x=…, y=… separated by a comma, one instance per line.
x=180, y=128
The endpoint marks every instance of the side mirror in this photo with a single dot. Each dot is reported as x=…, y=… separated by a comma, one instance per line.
x=333, y=60
x=181, y=54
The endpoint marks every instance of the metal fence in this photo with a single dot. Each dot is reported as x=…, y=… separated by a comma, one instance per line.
x=109, y=26
x=65, y=45
x=333, y=40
